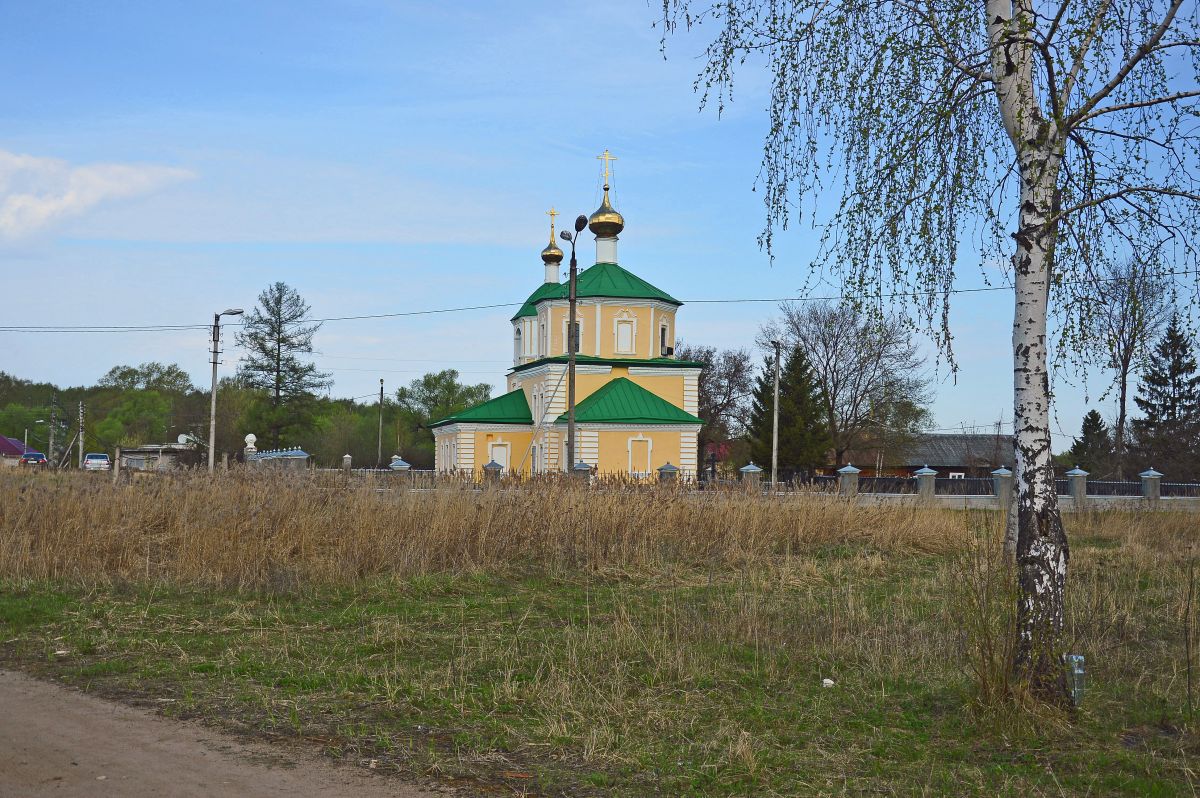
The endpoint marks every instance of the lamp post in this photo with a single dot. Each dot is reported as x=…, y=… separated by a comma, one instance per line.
x=775, y=423
x=25, y=450
x=212, y=416
x=572, y=339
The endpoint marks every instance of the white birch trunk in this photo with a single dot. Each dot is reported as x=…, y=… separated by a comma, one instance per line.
x=1034, y=530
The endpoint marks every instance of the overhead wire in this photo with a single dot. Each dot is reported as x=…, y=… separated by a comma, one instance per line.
x=465, y=308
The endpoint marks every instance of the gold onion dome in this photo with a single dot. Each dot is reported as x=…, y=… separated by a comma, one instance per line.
x=552, y=254
x=606, y=222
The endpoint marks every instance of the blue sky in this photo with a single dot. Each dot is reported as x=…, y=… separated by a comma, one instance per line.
x=161, y=161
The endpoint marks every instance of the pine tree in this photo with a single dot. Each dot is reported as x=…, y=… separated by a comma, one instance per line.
x=1168, y=435
x=274, y=336
x=1093, y=449
x=803, y=435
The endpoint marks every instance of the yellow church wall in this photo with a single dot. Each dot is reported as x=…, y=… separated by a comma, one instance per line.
x=516, y=441
x=645, y=335
x=650, y=449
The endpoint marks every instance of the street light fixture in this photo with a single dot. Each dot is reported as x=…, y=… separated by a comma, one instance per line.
x=212, y=417
x=572, y=337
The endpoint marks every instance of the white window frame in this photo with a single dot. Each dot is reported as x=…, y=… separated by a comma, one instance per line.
x=578, y=326
x=639, y=438
x=625, y=317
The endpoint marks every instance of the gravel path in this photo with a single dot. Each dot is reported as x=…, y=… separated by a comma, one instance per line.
x=55, y=741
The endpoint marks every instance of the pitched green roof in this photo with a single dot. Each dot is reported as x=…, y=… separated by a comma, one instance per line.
x=623, y=401
x=591, y=360
x=601, y=280
x=610, y=280
x=511, y=408
x=544, y=291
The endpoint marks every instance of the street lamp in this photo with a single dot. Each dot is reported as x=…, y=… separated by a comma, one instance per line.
x=212, y=416
x=572, y=338
x=26, y=448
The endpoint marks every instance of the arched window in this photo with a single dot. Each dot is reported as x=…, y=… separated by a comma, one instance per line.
x=517, y=342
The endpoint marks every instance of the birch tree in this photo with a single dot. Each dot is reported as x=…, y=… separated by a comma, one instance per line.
x=1051, y=135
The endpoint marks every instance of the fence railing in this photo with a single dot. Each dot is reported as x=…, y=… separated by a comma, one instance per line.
x=1076, y=491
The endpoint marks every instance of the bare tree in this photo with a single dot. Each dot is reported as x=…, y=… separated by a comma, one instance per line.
x=1132, y=305
x=872, y=381
x=1061, y=131
x=725, y=388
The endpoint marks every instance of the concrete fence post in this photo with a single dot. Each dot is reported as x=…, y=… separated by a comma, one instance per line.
x=751, y=476
x=1002, y=486
x=117, y=467
x=491, y=472
x=848, y=480
x=926, y=484
x=1077, y=487
x=346, y=463
x=1151, y=485
x=668, y=473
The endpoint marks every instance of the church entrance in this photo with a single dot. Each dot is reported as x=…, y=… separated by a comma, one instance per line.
x=498, y=452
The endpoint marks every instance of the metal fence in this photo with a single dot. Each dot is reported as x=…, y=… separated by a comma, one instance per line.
x=887, y=485
x=1114, y=488
x=969, y=486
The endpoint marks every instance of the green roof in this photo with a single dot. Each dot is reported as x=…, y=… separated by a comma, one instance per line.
x=610, y=280
x=623, y=401
x=601, y=280
x=591, y=360
x=544, y=291
x=511, y=408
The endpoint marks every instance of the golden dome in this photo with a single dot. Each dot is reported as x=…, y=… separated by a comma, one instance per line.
x=606, y=222
x=552, y=254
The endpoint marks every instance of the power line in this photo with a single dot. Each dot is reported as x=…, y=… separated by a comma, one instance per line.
x=465, y=308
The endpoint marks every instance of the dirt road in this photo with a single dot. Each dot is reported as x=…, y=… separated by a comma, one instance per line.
x=58, y=742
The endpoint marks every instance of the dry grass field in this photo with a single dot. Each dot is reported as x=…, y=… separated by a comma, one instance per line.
x=560, y=641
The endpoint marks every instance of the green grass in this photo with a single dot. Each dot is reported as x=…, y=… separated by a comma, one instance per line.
x=679, y=681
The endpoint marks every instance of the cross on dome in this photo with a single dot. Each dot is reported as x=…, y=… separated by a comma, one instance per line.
x=607, y=157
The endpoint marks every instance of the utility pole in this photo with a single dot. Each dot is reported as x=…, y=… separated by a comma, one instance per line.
x=212, y=415
x=379, y=449
x=53, y=424
x=775, y=423
x=572, y=340
x=81, y=434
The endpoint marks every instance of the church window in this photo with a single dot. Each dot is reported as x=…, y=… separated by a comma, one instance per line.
x=625, y=336
x=578, y=337
x=664, y=348
x=517, y=343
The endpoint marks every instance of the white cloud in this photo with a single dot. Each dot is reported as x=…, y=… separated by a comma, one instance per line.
x=37, y=192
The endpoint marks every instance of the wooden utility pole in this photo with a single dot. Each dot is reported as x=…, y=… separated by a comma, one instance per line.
x=379, y=448
x=80, y=435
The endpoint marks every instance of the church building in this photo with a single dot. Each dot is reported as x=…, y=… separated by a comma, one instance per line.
x=636, y=404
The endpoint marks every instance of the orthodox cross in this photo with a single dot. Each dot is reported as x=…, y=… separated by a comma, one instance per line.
x=552, y=213
x=606, y=157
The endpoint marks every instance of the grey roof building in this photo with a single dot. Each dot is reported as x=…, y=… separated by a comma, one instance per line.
x=952, y=454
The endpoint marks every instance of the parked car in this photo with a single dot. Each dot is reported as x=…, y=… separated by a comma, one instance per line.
x=34, y=459
x=93, y=461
